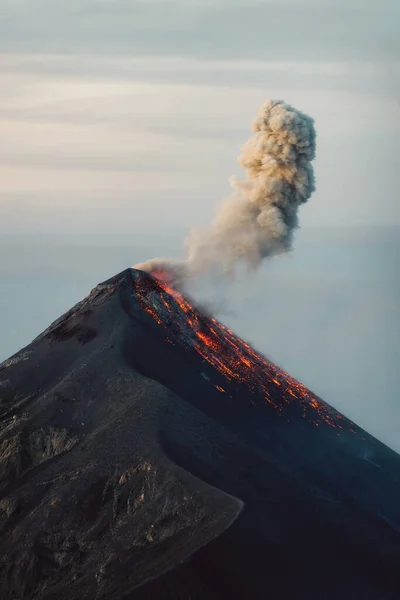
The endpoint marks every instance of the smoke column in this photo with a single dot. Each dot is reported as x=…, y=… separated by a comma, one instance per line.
x=259, y=218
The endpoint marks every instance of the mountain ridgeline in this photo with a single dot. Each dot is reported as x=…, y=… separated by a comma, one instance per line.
x=146, y=452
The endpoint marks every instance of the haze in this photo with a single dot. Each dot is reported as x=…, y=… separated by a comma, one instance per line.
x=120, y=124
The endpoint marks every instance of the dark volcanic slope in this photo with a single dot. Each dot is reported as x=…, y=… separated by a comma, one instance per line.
x=148, y=453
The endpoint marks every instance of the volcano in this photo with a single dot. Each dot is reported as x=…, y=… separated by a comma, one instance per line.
x=146, y=452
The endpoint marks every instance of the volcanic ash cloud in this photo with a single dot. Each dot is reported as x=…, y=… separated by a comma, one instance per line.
x=259, y=218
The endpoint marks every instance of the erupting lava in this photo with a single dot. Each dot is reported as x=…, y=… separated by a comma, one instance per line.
x=234, y=359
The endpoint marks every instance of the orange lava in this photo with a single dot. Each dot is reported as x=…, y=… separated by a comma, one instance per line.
x=233, y=358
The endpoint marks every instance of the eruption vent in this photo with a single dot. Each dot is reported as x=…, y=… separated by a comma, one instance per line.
x=258, y=220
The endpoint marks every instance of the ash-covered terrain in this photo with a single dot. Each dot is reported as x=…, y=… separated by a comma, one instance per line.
x=146, y=452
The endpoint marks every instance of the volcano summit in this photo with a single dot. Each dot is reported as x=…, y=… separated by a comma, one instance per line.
x=146, y=452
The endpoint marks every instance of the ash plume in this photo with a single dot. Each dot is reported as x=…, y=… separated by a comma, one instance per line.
x=259, y=218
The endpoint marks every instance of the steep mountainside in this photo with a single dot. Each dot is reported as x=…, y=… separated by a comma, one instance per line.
x=147, y=452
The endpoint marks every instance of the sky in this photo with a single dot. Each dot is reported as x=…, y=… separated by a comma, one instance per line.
x=120, y=125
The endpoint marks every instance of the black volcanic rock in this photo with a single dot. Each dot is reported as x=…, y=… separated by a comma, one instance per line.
x=148, y=453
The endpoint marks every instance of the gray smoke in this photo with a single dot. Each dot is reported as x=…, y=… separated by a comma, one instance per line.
x=259, y=218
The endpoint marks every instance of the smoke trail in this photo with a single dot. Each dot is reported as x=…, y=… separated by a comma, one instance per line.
x=258, y=220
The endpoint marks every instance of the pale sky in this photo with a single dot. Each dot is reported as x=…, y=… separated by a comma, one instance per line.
x=120, y=125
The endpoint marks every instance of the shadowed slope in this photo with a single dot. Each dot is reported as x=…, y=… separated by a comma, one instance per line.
x=136, y=430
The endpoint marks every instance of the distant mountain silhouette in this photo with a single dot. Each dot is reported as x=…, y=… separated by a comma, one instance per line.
x=146, y=452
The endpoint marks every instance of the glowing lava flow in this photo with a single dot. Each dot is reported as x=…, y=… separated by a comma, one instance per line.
x=231, y=356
